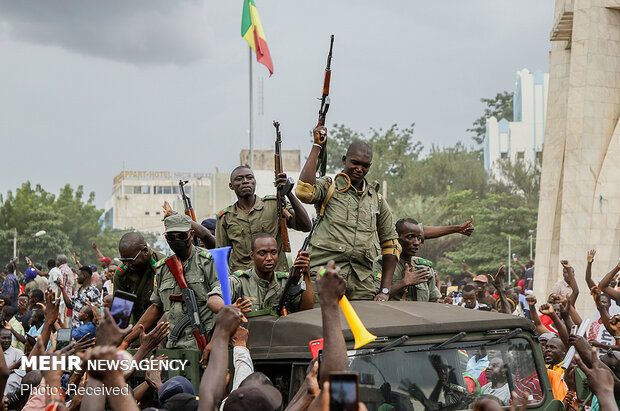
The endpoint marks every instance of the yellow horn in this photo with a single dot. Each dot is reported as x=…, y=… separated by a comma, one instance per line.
x=361, y=334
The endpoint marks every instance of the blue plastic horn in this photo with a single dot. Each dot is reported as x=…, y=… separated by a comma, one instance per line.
x=220, y=258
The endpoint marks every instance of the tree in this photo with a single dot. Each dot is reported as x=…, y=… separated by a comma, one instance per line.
x=518, y=178
x=449, y=169
x=499, y=107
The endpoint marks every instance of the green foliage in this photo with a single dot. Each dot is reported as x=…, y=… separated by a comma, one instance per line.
x=449, y=169
x=496, y=217
x=70, y=224
x=499, y=107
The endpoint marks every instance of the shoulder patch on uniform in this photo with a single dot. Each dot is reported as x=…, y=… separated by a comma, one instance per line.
x=160, y=262
x=375, y=185
x=281, y=274
x=121, y=270
x=206, y=254
x=270, y=197
x=224, y=211
x=422, y=261
x=240, y=273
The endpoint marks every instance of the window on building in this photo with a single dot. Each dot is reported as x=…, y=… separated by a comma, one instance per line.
x=520, y=155
x=137, y=189
x=157, y=212
x=163, y=189
x=147, y=213
x=503, y=156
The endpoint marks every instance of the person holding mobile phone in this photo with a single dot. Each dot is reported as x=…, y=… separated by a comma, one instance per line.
x=414, y=277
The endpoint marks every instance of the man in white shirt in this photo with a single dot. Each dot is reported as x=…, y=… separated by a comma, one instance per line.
x=12, y=356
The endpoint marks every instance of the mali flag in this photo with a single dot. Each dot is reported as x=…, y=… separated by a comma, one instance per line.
x=252, y=32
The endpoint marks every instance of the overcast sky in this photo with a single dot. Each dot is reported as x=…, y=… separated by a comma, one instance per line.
x=89, y=86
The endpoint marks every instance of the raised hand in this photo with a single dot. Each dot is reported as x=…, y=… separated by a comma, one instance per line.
x=108, y=333
x=84, y=343
x=498, y=280
x=320, y=135
x=531, y=299
x=151, y=340
x=614, y=324
x=228, y=319
x=331, y=285
x=600, y=378
x=591, y=254
x=240, y=337
x=464, y=266
x=167, y=210
x=467, y=228
x=94, y=245
x=153, y=377
x=244, y=305
x=546, y=309
x=565, y=264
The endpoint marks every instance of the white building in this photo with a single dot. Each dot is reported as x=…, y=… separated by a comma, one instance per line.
x=521, y=139
x=137, y=197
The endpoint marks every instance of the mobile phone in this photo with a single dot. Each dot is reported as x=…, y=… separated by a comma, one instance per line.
x=573, y=329
x=443, y=289
x=122, y=305
x=343, y=391
x=64, y=338
x=316, y=346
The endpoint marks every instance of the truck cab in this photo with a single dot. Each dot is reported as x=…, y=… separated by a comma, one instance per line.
x=426, y=356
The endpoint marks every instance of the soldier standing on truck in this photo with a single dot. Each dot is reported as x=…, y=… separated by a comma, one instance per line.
x=250, y=215
x=261, y=285
x=414, y=277
x=354, y=213
x=201, y=277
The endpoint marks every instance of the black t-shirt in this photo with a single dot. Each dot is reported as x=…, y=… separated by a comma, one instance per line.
x=24, y=319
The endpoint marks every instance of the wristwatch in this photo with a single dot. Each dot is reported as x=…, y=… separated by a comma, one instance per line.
x=385, y=291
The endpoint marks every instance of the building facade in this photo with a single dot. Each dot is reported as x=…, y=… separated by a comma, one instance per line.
x=137, y=197
x=521, y=139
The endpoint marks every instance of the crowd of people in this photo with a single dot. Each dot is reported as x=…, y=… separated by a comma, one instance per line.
x=356, y=250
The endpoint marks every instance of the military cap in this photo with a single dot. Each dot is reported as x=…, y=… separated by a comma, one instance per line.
x=178, y=222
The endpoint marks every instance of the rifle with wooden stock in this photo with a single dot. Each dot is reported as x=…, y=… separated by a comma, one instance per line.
x=321, y=164
x=282, y=192
x=293, y=287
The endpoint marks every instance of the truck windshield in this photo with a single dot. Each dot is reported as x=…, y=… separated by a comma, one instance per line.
x=451, y=378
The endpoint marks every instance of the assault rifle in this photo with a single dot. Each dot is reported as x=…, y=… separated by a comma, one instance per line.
x=282, y=192
x=321, y=165
x=293, y=287
x=187, y=203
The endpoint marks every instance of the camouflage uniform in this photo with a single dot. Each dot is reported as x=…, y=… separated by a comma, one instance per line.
x=236, y=228
x=130, y=281
x=346, y=234
x=201, y=276
x=426, y=291
x=263, y=294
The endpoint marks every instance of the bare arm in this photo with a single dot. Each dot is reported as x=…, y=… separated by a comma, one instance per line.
x=498, y=283
x=531, y=302
x=589, y=280
x=97, y=250
x=213, y=381
x=307, y=297
x=439, y=231
x=557, y=321
x=308, y=173
x=465, y=268
x=301, y=216
x=148, y=320
x=331, y=289
x=204, y=234
x=610, y=275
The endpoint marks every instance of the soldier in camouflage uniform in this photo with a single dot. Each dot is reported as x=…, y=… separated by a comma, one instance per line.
x=354, y=213
x=250, y=215
x=137, y=273
x=200, y=274
x=414, y=277
x=261, y=286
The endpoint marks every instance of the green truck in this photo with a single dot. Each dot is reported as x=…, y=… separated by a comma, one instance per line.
x=426, y=355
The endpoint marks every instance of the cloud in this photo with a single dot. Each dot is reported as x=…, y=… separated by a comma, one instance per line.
x=142, y=32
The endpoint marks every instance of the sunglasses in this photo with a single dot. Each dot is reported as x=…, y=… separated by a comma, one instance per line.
x=177, y=236
x=133, y=260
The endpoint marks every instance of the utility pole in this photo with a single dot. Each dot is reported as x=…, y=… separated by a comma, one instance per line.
x=509, y=258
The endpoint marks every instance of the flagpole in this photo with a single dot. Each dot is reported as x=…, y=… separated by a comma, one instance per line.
x=251, y=120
